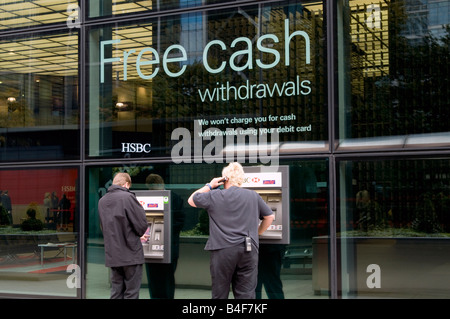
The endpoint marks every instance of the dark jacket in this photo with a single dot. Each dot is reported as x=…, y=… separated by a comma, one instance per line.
x=123, y=222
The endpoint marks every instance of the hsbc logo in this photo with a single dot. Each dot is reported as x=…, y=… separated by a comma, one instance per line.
x=136, y=148
x=253, y=180
x=267, y=179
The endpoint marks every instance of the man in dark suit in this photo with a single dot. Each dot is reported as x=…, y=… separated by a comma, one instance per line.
x=123, y=223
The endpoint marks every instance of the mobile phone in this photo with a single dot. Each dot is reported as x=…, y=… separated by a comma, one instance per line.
x=248, y=244
x=223, y=179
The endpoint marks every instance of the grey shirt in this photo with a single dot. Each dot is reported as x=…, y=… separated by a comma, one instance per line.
x=233, y=214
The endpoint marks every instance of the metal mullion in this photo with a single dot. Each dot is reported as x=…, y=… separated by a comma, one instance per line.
x=332, y=105
x=81, y=251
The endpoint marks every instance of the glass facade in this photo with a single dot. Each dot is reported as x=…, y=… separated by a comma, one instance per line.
x=308, y=214
x=39, y=231
x=350, y=95
x=40, y=113
x=393, y=75
x=205, y=75
x=25, y=13
x=394, y=227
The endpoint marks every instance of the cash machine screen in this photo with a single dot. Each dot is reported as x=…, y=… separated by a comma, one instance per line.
x=273, y=199
x=273, y=187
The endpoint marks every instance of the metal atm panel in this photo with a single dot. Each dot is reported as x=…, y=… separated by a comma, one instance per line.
x=273, y=186
x=156, y=204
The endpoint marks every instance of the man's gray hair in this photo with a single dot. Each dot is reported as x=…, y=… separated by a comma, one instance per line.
x=235, y=173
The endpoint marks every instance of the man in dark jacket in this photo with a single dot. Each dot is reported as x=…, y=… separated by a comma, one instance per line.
x=123, y=223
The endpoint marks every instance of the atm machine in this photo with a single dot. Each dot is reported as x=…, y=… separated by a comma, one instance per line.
x=273, y=186
x=156, y=204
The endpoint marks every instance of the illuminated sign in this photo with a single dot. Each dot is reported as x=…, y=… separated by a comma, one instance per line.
x=266, y=179
x=152, y=202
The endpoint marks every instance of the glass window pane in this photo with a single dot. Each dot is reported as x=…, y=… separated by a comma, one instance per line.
x=39, y=232
x=39, y=97
x=302, y=264
x=168, y=86
x=28, y=13
x=122, y=7
x=393, y=74
x=394, y=228
x=119, y=7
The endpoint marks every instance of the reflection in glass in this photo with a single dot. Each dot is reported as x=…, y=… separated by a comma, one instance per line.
x=302, y=267
x=393, y=74
x=38, y=231
x=122, y=7
x=394, y=215
x=150, y=78
x=39, y=95
x=118, y=7
x=25, y=13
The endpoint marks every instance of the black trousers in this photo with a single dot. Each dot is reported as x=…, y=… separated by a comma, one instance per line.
x=161, y=280
x=126, y=282
x=269, y=271
x=236, y=267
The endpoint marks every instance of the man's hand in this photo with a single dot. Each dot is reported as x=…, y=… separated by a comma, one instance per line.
x=217, y=181
x=266, y=222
